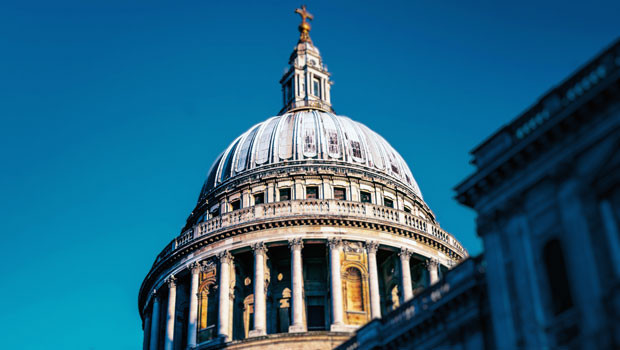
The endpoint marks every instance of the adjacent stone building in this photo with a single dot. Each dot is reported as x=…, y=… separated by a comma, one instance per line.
x=308, y=226
x=547, y=194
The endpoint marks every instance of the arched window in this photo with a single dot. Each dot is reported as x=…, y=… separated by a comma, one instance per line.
x=355, y=295
x=207, y=313
x=559, y=286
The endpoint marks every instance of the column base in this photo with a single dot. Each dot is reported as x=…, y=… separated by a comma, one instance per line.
x=297, y=328
x=256, y=333
x=341, y=327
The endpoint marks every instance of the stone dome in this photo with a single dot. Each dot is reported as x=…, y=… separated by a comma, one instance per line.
x=309, y=137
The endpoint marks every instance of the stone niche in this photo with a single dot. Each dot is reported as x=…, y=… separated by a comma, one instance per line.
x=355, y=290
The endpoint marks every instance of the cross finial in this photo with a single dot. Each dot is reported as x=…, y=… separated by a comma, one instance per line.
x=304, y=26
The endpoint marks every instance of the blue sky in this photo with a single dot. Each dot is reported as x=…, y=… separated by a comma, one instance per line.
x=113, y=111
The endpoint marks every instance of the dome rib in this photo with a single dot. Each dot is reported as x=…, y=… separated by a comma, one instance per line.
x=313, y=136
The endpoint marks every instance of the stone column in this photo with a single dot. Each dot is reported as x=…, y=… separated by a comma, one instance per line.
x=172, y=300
x=375, y=301
x=260, y=301
x=336, y=285
x=432, y=265
x=147, y=331
x=193, y=305
x=155, y=321
x=297, y=285
x=226, y=260
x=611, y=233
x=405, y=273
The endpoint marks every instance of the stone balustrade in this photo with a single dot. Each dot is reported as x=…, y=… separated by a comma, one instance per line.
x=312, y=207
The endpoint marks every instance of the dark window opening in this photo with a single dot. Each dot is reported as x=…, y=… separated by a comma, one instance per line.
x=388, y=202
x=316, y=313
x=259, y=198
x=340, y=193
x=407, y=210
x=285, y=194
x=235, y=205
x=316, y=87
x=312, y=192
x=559, y=285
x=215, y=212
x=365, y=197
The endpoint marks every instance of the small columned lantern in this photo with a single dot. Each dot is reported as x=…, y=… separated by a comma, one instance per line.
x=306, y=84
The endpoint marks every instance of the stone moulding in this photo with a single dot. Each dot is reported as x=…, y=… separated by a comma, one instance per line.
x=190, y=241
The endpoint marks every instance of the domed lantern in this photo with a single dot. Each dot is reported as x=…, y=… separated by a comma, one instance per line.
x=308, y=226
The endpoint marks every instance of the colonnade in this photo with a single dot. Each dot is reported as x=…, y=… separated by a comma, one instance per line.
x=152, y=322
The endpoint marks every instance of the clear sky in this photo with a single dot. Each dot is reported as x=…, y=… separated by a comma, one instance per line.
x=113, y=111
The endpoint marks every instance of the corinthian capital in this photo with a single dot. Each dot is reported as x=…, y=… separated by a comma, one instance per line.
x=405, y=253
x=259, y=248
x=334, y=243
x=295, y=243
x=171, y=281
x=225, y=257
x=372, y=246
x=431, y=264
x=194, y=267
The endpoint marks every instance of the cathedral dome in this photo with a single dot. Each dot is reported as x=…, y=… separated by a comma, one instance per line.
x=309, y=137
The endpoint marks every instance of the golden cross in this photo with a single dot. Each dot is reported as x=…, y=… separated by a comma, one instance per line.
x=304, y=14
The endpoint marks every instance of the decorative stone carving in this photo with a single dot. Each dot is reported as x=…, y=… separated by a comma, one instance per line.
x=225, y=257
x=296, y=243
x=171, y=281
x=431, y=264
x=334, y=243
x=259, y=248
x=372, y=246
x=353, y=247
x=405, y=253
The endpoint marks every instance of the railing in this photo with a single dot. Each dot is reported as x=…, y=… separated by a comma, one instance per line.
x=310, y=207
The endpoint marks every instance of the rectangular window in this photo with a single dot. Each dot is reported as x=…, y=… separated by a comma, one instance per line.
x=340, y=193
x=259, y=198
x=357, y=149
x=289, y=90
x=407, y=210
x=312, y=192
x=365, y=197
x=285, y=194
x=316, y=313
x=388, y=202
x=235, y=205
x=316, y=87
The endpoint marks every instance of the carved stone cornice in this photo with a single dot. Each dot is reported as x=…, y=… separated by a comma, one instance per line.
x=372, y=247
x=259, y=248
x=225, y=257
x=405, y=254
x=296, y=243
